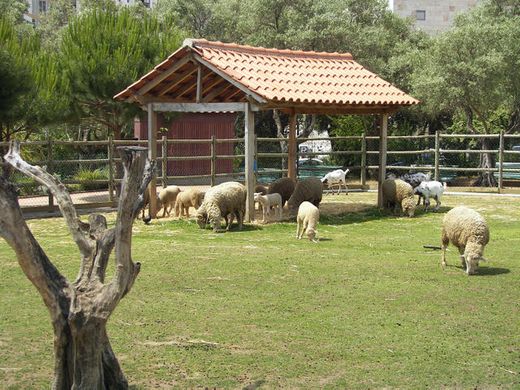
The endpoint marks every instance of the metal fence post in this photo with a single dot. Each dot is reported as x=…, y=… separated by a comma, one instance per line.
x=164, y=159
x=363, y=173
x=110, y=154
x=49, y=169
x=501, y=162
x=213, y=159
x=437, y=155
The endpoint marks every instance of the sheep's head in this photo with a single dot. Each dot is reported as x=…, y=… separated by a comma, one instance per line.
x=312, y=234
x=472, y=256
x=256, y=196
x=408, y=205
x=202, y=219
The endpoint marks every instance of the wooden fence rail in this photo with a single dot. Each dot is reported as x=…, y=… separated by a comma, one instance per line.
x=501, y=169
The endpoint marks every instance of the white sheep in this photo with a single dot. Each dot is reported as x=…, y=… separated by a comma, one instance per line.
x=430, y=189
x=192, y=197
x=307, y=220
x=168, y=196
x=398, y=195
x=221, y=201
x=469, y=232
x=336, y=177
x=269, y=201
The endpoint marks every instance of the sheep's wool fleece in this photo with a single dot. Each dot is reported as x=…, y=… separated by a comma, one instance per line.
x=310, y=190
x=223, y=199
x=394, y=191
x=462, y=225
x=284, y=187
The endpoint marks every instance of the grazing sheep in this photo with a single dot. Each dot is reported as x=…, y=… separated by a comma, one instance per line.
x=398, y=195
x=268, y=201
x=284, y=187
x=168, y=196
x=221, y=201
x=260, y=189
x=430, y=189
x=336, y=177
x=307, y=220
x=186, y=199
x=310, y=189
x=468, y=231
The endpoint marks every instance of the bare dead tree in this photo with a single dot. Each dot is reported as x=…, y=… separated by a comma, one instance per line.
x=80, y=309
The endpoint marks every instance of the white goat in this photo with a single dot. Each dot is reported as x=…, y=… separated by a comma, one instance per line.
x=268, y=201
x=336, y=177
x=431, y=189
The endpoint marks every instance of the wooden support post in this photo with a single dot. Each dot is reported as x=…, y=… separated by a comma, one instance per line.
x=437, y=173
x=363, y=174
x=110, y=155
x=383, y=134
x=164, y=164
x=249, y=139
x=213, y=160
x=199, y=84
x=501, y=162
x=255, y=160
x=152, y=155
x=50, y=169
x=291, y=159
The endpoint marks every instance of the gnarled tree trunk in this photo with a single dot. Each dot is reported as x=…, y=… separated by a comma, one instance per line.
x=80, y=310
x=486, y=178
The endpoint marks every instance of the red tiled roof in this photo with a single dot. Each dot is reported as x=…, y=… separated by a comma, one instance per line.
x=289, y=77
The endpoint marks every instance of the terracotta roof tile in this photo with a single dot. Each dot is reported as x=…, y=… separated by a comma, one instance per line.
x=289, y=76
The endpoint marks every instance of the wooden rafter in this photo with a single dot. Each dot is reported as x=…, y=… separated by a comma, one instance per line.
x=164, y=75
x=218, y=91
x=176, y=81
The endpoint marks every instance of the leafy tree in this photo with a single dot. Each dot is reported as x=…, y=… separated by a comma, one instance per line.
x=13, y=10
x=468, y=71
x=105, y=50
x=53, y=21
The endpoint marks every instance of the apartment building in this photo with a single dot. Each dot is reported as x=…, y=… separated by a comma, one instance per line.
x=432, y=17
x=39, y=7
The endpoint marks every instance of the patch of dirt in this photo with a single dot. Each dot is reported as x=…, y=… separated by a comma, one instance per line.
x=338, y=208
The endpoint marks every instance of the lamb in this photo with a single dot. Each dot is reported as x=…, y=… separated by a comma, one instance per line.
x=262, y=190
x=186, y=199
x=307, y=220
x=397, y=194
x=284, y=187
x=310, y=189
x=336, y=177
x=468, y=231
x=167, y=196
x=221, y=201
x=268, y=201
x=430, y=189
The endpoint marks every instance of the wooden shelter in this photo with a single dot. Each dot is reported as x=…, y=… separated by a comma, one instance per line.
x=205, y=76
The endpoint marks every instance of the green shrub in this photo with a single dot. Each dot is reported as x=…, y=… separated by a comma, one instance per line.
x=91, y=179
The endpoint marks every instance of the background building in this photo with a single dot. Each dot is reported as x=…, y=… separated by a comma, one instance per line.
x=429, y=16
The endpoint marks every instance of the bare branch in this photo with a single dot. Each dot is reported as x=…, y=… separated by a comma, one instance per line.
x=76, y=227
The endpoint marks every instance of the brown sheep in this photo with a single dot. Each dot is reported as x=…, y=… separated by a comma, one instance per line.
x=284, y=187
x=192, y=197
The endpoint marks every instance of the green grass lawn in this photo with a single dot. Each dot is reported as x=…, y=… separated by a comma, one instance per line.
x=367, y=307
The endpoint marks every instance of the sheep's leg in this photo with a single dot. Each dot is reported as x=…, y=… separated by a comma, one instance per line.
x=298, y=224
x=426, y=203
x=419, y=200
x=438, y=203
x=264, y=213
x=187, y=211
x=164, y=210
x=304, y=228
x=445, y=243
x=462, y=249
x=231, y=219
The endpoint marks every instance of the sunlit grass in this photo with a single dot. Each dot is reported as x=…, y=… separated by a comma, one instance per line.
x=367, y=307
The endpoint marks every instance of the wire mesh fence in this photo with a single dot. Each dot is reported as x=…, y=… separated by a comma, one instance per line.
x=92, y=170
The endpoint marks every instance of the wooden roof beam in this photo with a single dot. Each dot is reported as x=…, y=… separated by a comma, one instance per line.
x=176, y=81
